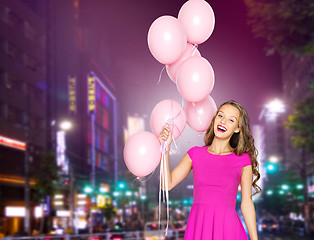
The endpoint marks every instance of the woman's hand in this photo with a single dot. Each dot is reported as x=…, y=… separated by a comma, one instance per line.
x=165, y=135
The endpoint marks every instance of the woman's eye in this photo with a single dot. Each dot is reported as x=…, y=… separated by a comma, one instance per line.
x=231, y=120
x=219, y=115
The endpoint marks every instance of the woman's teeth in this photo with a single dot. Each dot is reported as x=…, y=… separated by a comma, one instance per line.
x=221, y=128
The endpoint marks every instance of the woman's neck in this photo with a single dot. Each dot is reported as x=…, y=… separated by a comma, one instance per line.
x=220, y=146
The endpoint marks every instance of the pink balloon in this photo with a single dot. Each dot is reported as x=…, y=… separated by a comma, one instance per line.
x=198, y=20
x=168, y=111
x=200, y=114
x=142, y=153
x=189, y=51
x=166, y=39
x=195, y=79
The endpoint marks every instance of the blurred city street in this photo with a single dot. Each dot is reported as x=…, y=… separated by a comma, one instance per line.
x=86, y=87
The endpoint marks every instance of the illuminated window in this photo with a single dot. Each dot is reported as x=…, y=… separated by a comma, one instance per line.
x=97, y=139
x=97, y=159
x=98, y=92
x=106, y=163
x=102, y=141
x=103, y=97
x=105, y=119
x=89, y=137
x=106, y=143
x=89, y=153
x=107, y=101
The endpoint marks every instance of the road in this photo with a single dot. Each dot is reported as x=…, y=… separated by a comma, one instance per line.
x=281, y=236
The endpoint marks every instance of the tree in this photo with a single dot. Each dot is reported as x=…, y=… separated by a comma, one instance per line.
x=302, y=124
x=286, y=25
x=46, y=177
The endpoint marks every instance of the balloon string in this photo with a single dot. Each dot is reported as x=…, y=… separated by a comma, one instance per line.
x=165, y=186
x=164, y=181
x=144, y=180
x=161, y=74
x=198, y=117
x=195, y=46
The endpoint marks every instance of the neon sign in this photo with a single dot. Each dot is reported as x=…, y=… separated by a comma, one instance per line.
x=12, y=143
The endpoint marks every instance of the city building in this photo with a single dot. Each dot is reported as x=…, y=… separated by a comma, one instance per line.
x=52, y=66
x=23, y=92
x=84, y=95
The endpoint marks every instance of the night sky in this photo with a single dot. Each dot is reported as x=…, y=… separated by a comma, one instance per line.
x=242, y=70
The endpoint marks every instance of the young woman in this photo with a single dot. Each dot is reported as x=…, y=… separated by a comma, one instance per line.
x=227, y=160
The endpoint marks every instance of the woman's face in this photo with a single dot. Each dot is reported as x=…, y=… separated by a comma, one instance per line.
x=226, y=122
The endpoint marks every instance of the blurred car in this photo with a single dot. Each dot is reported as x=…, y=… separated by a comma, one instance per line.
x=180, y=228
x=286, y=225
x=298, y=227
x=268, y=225
x=117, y=233
x=152, y=231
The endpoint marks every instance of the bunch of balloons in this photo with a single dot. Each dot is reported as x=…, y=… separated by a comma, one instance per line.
x=173, y=42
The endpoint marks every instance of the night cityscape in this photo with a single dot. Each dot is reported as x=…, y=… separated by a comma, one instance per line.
x=79, y=78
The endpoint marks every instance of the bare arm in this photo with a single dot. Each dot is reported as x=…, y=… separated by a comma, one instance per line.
x=247, y=205
x=181, y=170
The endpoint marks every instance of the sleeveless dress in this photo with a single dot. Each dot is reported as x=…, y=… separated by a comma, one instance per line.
x=216, y=179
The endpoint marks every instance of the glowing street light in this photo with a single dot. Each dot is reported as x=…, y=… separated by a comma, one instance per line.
x=88, y=189
x=276, y=106
x=299, y=186
x=273, y=159
x=269, y=192
x=271, y=167
x=65, y=125
x=284, y=186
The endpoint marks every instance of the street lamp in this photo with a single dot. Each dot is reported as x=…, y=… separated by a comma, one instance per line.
x=269, y=192
x=273, y=159
x=88, y=189
x=62, y=161
x=65, y=125
x=275, y=107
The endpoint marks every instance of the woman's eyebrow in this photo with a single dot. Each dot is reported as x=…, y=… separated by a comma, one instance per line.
x=231, y=116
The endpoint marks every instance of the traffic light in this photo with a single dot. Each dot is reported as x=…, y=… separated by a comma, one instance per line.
x=271, y=167
x=88, y=189
x=121, y=185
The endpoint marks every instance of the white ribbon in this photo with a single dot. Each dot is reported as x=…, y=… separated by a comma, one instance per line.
x=164, y=181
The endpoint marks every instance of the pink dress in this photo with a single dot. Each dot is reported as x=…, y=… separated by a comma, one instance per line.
x=216, y=179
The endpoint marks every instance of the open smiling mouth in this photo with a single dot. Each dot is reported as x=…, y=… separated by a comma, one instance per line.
x=221, y=128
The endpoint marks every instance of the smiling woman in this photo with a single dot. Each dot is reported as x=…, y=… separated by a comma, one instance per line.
x=227, y=159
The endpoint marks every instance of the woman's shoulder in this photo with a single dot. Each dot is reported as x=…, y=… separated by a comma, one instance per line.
x=245, y=159
x=194, y=150
x=244, y=155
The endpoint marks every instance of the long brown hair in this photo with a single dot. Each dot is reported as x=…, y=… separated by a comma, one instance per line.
x=241, y=142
